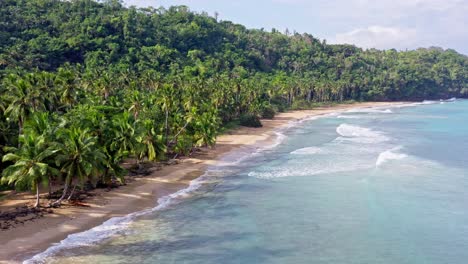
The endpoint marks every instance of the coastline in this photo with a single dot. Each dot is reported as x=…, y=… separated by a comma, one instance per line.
x=141, y=194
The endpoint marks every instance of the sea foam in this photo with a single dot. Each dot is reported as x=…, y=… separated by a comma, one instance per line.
x=331, y=157
x=392, y=154
x=359, y=134
x=306, y=171
x=429, y=102
x=425, y=102
x=308, y=151
x=370, y=110
x=349, y=117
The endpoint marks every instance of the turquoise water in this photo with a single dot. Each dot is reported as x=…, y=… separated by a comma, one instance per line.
x=365, y=186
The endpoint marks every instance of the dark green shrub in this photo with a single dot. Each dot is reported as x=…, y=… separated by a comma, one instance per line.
x=280, y=103
x=301, y=105
x=250, y=120
x=268, y=112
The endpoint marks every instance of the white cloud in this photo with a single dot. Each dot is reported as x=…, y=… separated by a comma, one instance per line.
x=400, y=23
x=379, y=37
x=439, y=5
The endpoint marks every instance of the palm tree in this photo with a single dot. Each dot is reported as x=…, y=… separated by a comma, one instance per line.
x=123, y=129
x=23, y=99
x=30, y=167
x=79, y=157
x=207, y=125
x=42, y=124
x=135, y=103
x=67, y=84
x=166, y=105
x=150, y=144
x=44, y=84
x=39, y=123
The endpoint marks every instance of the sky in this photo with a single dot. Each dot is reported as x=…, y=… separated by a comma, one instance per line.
x=382, y=24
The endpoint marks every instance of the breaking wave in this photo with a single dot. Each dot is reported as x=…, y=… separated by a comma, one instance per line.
x=308, y=170
x=359, y=134
x=370, y=110
x=349, y=117
x=392, y=154
x=308, y=151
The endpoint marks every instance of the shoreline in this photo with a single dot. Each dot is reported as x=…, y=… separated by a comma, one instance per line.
x=143, y=192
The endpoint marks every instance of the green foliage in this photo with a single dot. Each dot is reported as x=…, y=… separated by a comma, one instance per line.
x=79, y=157
x=268, y=112
x=226, y=127
x=30, y=167
x=301, y=105
x=184, y=145
x=250, y=120
x=279, y=103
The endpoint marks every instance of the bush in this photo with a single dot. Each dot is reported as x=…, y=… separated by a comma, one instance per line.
x=301, y=105
x=280, y=103
x=250, y=120
x=268, y=112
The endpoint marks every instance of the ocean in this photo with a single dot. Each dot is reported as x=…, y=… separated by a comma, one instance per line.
x=373, y=185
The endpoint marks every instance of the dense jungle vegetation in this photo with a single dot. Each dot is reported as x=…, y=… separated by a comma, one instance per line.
x=86, y=84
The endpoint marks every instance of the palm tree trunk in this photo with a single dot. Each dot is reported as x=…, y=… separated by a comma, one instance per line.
x=72, y=192
x=20, y=129
x=167, y=127
x=37, y=195
x=65, y=190
x=50, y=187
x=178, y=133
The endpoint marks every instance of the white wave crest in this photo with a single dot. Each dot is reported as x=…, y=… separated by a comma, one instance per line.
x=306, y=171
x=389, y=155
x=451, y=100
x=308, y=151
x=349, y=117
x=359, y=134
x=370, y=110
x=428, y=102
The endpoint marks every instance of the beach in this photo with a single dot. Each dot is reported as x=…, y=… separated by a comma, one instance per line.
x=33, y=237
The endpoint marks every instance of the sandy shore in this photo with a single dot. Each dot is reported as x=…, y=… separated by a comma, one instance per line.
x=24, y=241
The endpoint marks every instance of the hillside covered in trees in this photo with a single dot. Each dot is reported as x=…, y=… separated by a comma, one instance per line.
x=84, y=85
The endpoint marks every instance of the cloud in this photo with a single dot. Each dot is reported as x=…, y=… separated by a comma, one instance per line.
x=439, y=5
x=396, y=24
x=411, y=6
x=379, y=37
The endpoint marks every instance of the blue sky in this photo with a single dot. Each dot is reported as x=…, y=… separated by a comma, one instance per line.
x=383, y=24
